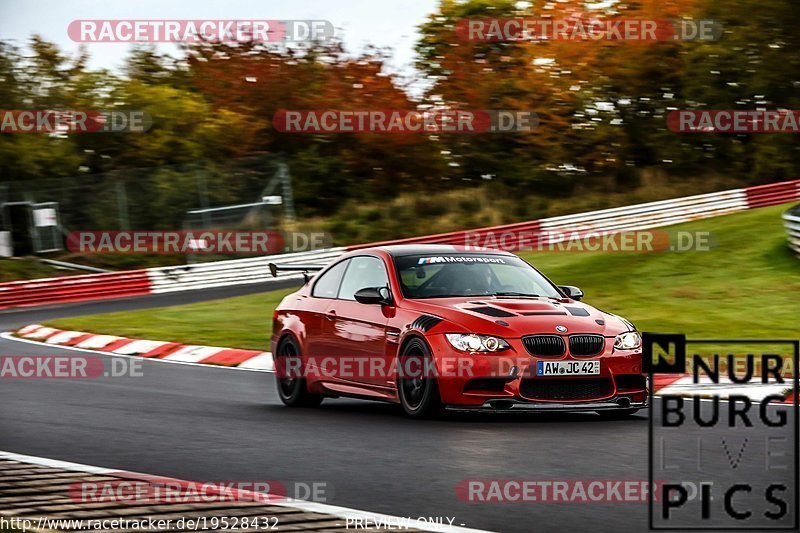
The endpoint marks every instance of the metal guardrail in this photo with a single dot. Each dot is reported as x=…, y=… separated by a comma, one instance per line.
x=791, y=221
x=650, y=215
x=618, y=219
x=233, y=272
x=628, y=218
x=72, y=266
x=74, y=288
x=153, y=280
x=255, y=270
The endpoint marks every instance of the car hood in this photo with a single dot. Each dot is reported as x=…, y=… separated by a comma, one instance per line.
x=516, y=317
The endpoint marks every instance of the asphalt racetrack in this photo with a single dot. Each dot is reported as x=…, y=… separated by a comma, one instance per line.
x=206, y=423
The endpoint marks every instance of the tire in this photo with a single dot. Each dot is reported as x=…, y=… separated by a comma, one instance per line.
x=419, y=397
x=617, y=414
x=294, y=391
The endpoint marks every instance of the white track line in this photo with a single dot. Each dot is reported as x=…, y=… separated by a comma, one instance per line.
x=55, y=463
x=312, y=507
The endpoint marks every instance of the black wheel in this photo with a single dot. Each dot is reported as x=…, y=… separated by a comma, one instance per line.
x=419, y=395
x=292, y=389
x=616, y=414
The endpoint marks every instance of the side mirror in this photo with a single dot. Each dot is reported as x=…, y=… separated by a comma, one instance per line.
x=374, y=295
x=573, y=292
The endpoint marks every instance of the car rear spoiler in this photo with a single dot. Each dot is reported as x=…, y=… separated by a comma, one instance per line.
x=294, y=267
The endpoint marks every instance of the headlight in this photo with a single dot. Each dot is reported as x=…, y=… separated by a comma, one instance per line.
x=470, y=342
x=630, y=340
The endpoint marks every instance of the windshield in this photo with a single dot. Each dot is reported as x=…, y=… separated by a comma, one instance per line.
x=452, y=275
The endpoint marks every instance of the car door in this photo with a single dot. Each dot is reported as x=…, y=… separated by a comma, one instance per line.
x=358, y=331
x=323, y=297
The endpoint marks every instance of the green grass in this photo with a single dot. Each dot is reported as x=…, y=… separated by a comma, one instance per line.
x=746, y=286
x=16, y=269
x=241, y=322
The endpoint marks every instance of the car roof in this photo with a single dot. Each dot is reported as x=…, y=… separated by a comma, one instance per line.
x=396, y=250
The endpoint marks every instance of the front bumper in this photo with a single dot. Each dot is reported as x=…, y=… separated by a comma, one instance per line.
x=508, y=379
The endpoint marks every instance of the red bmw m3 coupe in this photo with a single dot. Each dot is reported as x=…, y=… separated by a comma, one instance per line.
x=437, y=328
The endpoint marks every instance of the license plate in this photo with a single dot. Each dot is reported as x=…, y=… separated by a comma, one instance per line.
x=567, y=368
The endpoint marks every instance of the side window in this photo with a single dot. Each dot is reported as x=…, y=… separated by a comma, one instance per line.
x=327, y=286
x=363, y=272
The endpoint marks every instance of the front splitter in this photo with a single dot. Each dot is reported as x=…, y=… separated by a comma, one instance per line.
x=516, y=406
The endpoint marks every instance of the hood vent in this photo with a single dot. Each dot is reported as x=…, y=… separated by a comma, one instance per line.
x=491, y=311
x=577, y=311
x=425, y=322
x=544, y=313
